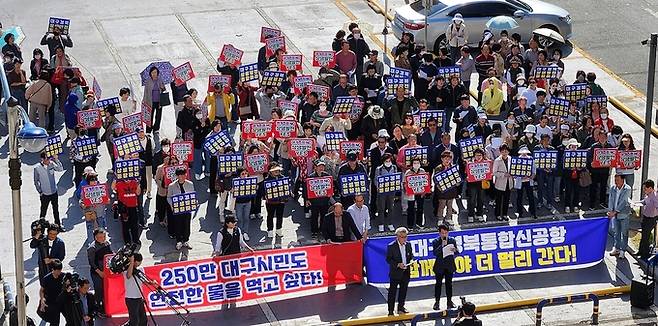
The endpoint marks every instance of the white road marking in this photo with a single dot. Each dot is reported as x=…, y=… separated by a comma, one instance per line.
x=651, y=12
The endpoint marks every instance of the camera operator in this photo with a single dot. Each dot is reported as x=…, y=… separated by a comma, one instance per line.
x=77, y=303
x=133, y=285
x=51, y=287
x=49, y=247
x=96, y=256
x=467, y=316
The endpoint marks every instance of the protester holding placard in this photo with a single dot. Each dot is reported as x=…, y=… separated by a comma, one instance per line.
x=319, y=206
x=545, y=174
x=475, y=189
x=242, y=206
x=54, y=39
x=146, y=157
x=352, y=166
x=84, y=153
x=246, y=101
x=338, y=122
x=153, y=90
x=275, y=206
x=200, y=130
x=571, y=176
x=162, y=208
x=628, y=175
x=600, y=176
x=387, y=189
x=525, y=184
x=267, y=97
x=180, y=222
x=257, y=147
x=94, y=214
x=220, y=103
x=128, y=192
x=415, y=202
x=444, y=199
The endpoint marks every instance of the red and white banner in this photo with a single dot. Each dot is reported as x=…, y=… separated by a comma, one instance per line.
x=274, y=43
x=478, y=171
x=261, y=129
x=286, y=105
x=183, y=150
x=417, y=184
x=629, y=159
x=90, y=119
x=183, y=73
x=257, y=163
x=246, y=130
x=266, y=32
x=291, y=62
x=320, y=187
x=302, y=147
x=223, y=80
x=604, y=157
x=147, y=113
x=324, y=59
x=284, y=128
x=243, y=277
x=94, y=195
x=323, y=92
x=231, y=55
x=170, y=173
x=347, y=146
x=132, y=122
x=300, y=82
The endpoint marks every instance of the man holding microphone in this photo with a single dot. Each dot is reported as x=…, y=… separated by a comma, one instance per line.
x=445, y=249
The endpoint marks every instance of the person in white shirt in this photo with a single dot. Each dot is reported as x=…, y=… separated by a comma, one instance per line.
x=133, y=284
x=127, y=103
x=361, y=215
x=543, y=128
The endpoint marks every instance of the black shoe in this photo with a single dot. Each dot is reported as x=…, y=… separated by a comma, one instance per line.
x=402, y=310
x=436, y=306
x=451, y=305
x=390, y=313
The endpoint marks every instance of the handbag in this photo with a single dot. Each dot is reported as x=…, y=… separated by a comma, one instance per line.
x=486, y=184
x=164, y=99
x=585, y=179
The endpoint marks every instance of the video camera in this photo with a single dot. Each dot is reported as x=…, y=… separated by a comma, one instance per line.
x=121, y=260
x=39, y=225
x=71, y=282
x=460, y=309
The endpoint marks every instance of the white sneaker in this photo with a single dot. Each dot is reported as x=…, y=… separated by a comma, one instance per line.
x=380, y=228
x=245, y=237
x=470, y=219
x=307, y=215
x=187, y=244
x=270, y=234
x=614, y=252
x=198, y=177
x=391, y=227
x=279, y=232
x=179, y=245
x=567, y=210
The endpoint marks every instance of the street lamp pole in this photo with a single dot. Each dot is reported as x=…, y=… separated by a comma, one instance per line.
x=13, y=112
x=649, y=108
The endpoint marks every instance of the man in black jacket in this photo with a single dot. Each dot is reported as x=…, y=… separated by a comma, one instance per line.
x=339, y=226
x=318, y=206
x=399, y=256
x=78, y=305
x=186, y=118
x=96, y=253
x=360, y=48
x=444, y=249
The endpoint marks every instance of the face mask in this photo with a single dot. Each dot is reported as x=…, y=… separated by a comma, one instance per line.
x=604, y=116
x=199, y=116
x=510, y=122
x=165, y=149
x=416, y=166
x=529, y=134
x=388, y=164
x=520, y=82
x=324, y=75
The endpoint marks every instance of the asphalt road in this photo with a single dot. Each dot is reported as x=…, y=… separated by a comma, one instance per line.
x=611, y=32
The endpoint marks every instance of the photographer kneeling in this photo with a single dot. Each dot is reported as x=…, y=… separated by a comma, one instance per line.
x=467, y=316
x=78, y=305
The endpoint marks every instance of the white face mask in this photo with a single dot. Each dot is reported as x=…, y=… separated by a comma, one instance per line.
x=199, y=116
x=520, y=82
x=416, y=166
x=165, y=149
x=529, y=135
x=388, y=164
x=604, y=116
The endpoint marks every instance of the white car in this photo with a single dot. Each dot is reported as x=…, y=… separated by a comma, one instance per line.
x=529, y=14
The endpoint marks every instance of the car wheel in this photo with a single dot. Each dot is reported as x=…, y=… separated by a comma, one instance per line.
x=440, y=42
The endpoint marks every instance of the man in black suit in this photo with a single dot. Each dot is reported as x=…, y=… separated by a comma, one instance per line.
x=445, y=249
x=399, y=257
x=80, y=308
x=339, y=226
x=49, y=247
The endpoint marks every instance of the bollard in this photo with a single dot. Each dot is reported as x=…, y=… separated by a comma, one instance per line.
x=569, y=299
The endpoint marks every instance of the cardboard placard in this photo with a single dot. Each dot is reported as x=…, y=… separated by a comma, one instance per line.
x=392, y=83
x=90, y=119
x=126, y=145
x=229, y=163
x=547, y=72
x=183, y=73
x=246, y=129
x=286, y=105
x=223, y=80
x=277, y=188
x=333, y=139
x=272, y=78
x=425, y=115
x=448, y=72
x=601, y=99
x=575, y=159
x=469, y=145
x=95, y=195
x=631, y=159
x=400, y=72
x=274, y=43
x=604, y=157
x=324, y=92
x=184, y=203
x=447, y=179
x=417, y=184
x=353, y=184
x=249, y=72
x=245, y=187
x=183, y=150
x=267, y=32
x=291, y=62
x=261, y=129
x=389, y=183
x=231, y=55
x=104, y=103
x=257, y=163
x=558, y=107
x=54, y=146
x=421, y=152
x=302, y=147
x=545, y=159
x=347, y=146
x=132, y=122
x=575, y=92
x=63, y=23
x=319, y=187
x=86, y=146
x=478, y=171
x=521, y=166
x=170, y=173
x=284, y=128
x=324, y=59
x=300, y=82
x=216, y=141
x=343, y=104
x=127, y=169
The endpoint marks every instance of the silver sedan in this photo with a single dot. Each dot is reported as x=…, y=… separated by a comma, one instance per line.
x=529, y=14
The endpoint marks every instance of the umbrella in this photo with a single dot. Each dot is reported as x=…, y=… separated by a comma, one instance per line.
x=19, y=36
x=548, y=36
x=500, y=23
x=165, y=69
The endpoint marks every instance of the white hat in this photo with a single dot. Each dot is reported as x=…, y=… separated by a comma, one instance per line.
x=482, y=115
x=376, y=112
x=573, y=141
x=530, y=128
x=564, y=127
x=458, y=18
x=89, y=170
x=383, y=133
x=289, y=113
x=524, y=150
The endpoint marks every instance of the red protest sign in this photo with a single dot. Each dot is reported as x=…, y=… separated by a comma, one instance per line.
x=183, y=73
x=132, y=122
x=417, y=184
x=170, y=173
x=323, y=92
x=231, y=55
x=183, y=150
x=604, y=158
x=301, y=147
x=478, y=171
x=261, y=129
x=273, y=44
x=291, y=62
x=147, y=113
x=324, y=59
x=629, y=159
x=300, y=82
x=257, y=163
x=223, y=80
x=286, y=105
x=347, y=146
x=95, y=195
x=266, y=32
x=246, y=129
x=284, y=128
x=90, y=119
x=320, y=187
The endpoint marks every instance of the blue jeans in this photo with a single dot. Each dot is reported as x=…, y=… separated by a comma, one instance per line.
x=620, y=233
x=545, y=192
x=242, y=215
x=100, y=221
x=201, y=159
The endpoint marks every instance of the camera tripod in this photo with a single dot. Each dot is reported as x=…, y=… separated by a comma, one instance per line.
x=171, y=302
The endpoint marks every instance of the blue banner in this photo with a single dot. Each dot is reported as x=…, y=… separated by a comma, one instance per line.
x=528, y=248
